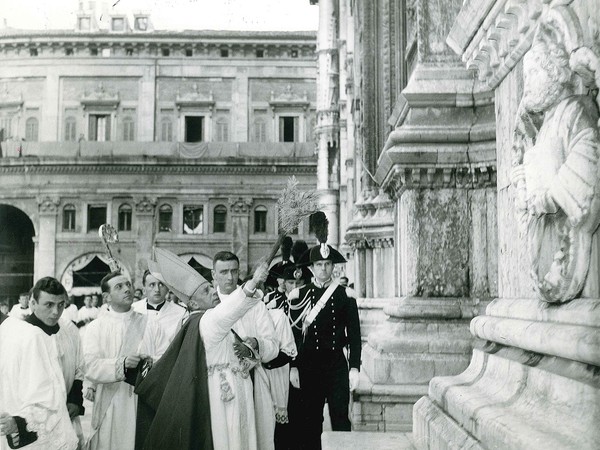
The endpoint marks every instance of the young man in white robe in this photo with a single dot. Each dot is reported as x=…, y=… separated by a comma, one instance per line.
x=170, y=315
x=35, y=406
x=242, y=414
x=115, y=347
x=21, y=310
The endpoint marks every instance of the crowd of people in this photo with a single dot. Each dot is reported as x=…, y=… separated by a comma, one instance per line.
x=195, y=364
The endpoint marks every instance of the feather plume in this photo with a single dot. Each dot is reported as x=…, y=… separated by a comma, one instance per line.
x=320, y=225
x=294, y=205
x=298, y=249
x=286, y=248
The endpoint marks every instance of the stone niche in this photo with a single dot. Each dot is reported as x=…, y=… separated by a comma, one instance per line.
x=533, y=381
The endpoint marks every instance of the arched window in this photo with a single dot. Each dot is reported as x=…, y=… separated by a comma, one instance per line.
x=128, y=129
x=222, y=130
x=260, y=130
x=69, y=218
x=31, y=129
x=260, y=219
x=165, y=218
x=166, y=130
x=220, y=219
x=70, y=129
x=125, y=217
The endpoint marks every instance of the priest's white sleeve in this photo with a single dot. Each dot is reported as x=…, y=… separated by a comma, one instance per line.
x=268, y=344
x=217, y=322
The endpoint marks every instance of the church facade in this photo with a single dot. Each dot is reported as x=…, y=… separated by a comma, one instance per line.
x=182, y=140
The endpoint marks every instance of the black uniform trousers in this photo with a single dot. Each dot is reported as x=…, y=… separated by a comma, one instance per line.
x=324, y=376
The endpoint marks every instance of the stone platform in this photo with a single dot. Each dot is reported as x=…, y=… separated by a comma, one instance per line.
x=335, y=440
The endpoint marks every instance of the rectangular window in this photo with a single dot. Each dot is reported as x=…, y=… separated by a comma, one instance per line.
x=166, y=130
x=165, y=51
x=224, y=53
x=69, y=219
x=288, y=129
x=125, y=219
x=5, y=128
x=189, y=52
x=128, y=130
x=194, y=131
x=193, y=219
x=84, y=24
x=260, y=53
x=222, y=131
x=33, y=52
x=165, y=218
x=260, y=221
x=220, y=219
x=96, y=216
x=118, y=24
x=70, y=130
x=99, y=129
x=68, y=51
x=141, y=23
x=93, y=51
x=129, y=51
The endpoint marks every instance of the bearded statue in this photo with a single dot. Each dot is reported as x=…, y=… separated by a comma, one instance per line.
x=555, y=165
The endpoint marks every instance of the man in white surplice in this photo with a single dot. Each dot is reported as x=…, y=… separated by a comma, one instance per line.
x=170, y=315
x=35, y=402
x=113, y=347
x=242, y=414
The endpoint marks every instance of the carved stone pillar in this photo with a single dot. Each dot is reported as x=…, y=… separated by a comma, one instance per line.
x=534, y=384
x=45, y=257
x=240, y=211
x=144, y=214
x=435, y=170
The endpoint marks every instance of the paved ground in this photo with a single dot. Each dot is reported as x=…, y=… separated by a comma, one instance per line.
x=347, y=440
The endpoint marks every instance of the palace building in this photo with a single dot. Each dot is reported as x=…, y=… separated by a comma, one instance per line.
x=179, y=139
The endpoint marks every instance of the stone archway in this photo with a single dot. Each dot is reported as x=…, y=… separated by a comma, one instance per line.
x=83, y=275
x=16, y=252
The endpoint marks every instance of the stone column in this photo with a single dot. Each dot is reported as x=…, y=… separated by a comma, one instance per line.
x=146, y=226
x=45, y=261
x=240, y=211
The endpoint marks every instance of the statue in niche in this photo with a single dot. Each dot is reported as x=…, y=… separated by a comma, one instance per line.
x=555, y=163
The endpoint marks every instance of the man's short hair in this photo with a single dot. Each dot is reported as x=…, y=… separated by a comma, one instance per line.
x=24, y=294
x=104, y=283
x=49, y=285
x=225, y=256
x=344, y=278
x=146, y=273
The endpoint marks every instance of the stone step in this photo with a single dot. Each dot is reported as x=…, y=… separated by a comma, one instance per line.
x=335, y=440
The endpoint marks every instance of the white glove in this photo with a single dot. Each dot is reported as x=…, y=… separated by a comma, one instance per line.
x=295, y=377
x=353, y=378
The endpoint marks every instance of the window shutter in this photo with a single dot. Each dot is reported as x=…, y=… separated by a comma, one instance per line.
x=93, y=127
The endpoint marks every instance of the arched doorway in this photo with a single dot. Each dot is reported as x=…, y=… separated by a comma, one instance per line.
x=16, y=253
x=83, y=275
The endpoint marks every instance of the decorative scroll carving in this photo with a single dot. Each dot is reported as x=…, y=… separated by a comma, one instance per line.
x=195, y=99
x=289, y=99
x=100, y=98
x=48, y=205
x=555, y=156
x=240, y=205
x=145, y=205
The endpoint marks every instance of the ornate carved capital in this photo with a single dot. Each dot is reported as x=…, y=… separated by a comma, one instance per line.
x=240, y=205
x=145, y=205
x=48, y=205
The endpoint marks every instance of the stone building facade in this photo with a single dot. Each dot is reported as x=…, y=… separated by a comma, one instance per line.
x=455, y=216
x=182, y=140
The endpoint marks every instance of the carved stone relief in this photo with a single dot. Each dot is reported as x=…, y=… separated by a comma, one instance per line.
x=555, y=157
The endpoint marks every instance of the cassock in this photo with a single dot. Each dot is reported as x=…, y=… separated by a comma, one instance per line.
x=70, y=358
x=18, y=312
x=170, y=315
x=107, y=341
x=33, y=387
x=242, y=415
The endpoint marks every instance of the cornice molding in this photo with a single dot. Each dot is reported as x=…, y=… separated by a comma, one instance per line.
x=116, y=168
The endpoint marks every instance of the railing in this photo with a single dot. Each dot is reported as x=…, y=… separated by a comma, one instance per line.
x=200, y=150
